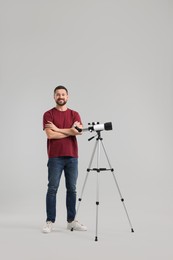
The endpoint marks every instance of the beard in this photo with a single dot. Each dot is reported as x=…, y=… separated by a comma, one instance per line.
x=61, y=102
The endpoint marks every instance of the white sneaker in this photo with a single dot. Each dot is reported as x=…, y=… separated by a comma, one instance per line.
x=48, y=227
x=75, y=225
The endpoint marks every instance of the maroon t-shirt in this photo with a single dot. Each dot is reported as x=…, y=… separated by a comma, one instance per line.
x=62, y=119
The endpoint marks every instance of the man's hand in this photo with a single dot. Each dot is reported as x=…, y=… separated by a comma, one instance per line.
x=77, y=124
x=51, y=126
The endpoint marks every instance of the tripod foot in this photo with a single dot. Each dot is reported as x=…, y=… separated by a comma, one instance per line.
x=132, y=230
x=96, y=239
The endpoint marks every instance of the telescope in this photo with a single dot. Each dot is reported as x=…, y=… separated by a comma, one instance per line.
x=96, y=126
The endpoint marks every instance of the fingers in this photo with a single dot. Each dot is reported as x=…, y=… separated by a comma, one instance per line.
x=76, y=123
x=48, y=125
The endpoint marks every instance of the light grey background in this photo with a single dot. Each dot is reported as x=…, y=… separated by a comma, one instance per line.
x=115, y=57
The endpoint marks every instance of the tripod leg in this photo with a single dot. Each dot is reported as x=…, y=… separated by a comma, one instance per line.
x=97, y=205
x=122, y=200
x=97, y=189
x=83, y=187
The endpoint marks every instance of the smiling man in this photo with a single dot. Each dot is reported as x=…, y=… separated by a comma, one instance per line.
x=59, y=125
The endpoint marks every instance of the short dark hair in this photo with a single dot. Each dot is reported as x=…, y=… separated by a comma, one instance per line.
x=60, y=87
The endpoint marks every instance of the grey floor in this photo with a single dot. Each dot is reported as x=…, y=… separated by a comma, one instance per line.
x=21, y=237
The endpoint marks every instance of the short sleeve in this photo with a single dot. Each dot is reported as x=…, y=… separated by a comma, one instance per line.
x=47, y=117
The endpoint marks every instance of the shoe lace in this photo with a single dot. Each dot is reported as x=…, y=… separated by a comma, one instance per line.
x=48, y=224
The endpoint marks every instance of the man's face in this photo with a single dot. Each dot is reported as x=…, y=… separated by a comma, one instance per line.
x=61, y=97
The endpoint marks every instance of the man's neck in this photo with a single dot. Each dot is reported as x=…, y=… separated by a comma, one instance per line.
x=61, y=108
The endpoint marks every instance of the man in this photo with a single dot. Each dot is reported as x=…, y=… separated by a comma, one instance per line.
x=59, y=124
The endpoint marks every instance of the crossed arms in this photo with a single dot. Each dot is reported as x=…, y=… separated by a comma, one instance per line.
x=54, y=132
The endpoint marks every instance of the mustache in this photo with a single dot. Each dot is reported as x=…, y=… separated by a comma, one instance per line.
x=59, y=99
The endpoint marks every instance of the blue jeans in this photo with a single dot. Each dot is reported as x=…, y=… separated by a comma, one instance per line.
x=55, y=168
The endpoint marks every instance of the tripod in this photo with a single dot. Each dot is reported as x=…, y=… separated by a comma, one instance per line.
x=99, y=142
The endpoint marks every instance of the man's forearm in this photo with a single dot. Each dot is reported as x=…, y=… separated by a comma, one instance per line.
x=60, y=133
x=68, y=131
